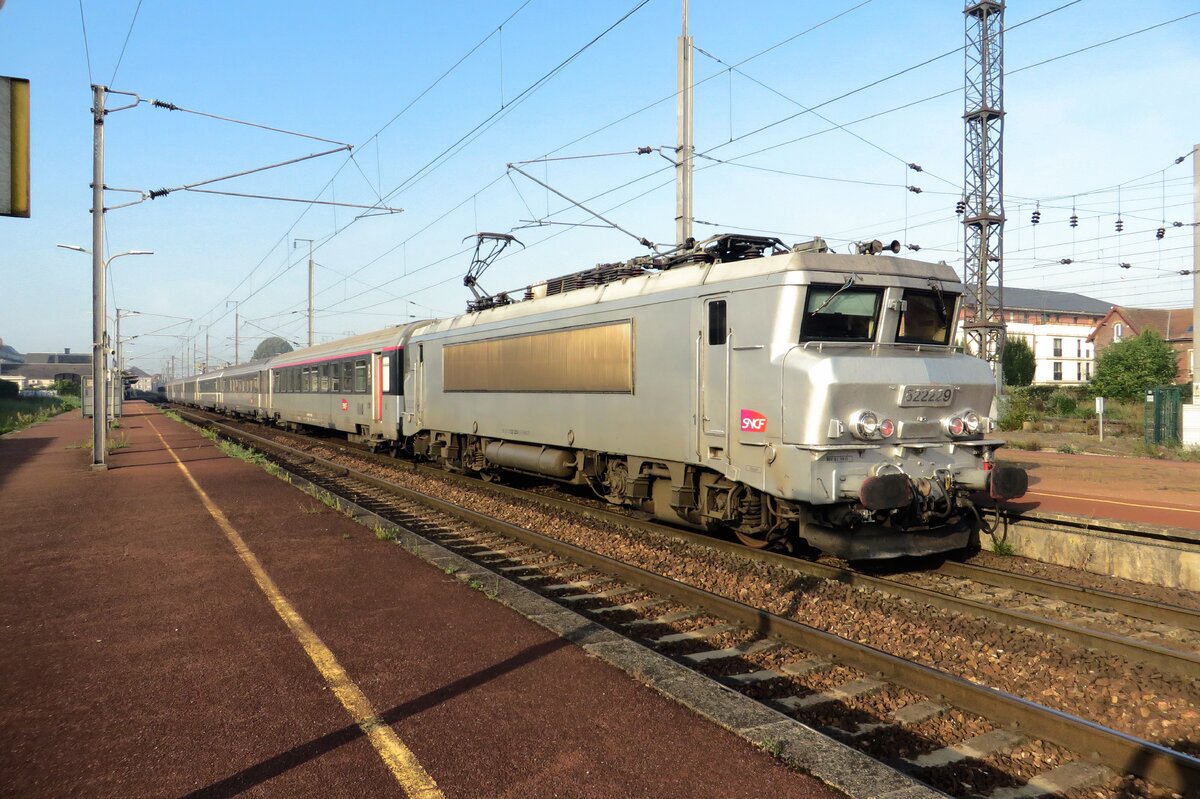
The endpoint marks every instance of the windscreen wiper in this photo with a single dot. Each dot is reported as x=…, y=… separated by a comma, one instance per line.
x=849, y=282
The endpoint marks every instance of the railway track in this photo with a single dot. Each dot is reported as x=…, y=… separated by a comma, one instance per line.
x=887, y=706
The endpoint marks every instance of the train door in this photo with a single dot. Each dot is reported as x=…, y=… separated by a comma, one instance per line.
x=379, y=387
x=714, y=382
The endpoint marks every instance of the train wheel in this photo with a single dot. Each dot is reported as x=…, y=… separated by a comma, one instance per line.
x=754, y=540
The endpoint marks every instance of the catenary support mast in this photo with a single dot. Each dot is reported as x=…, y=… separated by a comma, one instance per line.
x=983, y=182
x=684, y=149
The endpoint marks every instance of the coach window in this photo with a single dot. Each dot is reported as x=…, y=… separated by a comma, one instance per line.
x=718, y=326
x=360, y=376
x=324, y=378
x=335, y=377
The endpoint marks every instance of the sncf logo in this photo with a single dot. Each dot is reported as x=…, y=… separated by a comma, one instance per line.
x=753, y=422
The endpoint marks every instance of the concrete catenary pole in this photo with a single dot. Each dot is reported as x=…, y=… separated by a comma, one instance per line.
x=684, y=149
x=99, y=372
x=1195, y=274
x=295, y=244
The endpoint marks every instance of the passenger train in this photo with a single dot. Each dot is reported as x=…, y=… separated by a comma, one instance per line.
x=787, y=394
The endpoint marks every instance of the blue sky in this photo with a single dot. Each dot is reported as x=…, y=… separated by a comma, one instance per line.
x=1077, y=128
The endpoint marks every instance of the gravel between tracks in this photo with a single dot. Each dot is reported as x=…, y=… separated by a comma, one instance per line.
x=1108, y=690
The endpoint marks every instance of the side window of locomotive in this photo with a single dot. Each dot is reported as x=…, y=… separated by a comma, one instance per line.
x=360, y=376
x=718, y=326
x=926, y=318
x=840, y=313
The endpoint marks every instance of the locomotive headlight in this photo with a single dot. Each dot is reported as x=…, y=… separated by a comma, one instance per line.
x=867, y=424
x=955, y=425
x=972, y=422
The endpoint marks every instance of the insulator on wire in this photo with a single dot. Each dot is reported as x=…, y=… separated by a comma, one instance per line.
x=1176, y=224
x=1066, y=261
x=1074, y=220
x=1037, y=217
x=1158, y=234
x=913, y=247
x=1120, y=224
x=960, y=207
x=1123, y=265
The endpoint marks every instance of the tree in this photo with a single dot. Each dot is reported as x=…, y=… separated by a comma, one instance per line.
x=67, y=388
x=270, y=346
x=1017, y=362
x=1127, y=368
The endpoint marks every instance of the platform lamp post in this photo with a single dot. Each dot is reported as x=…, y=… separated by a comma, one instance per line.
x=99, y=373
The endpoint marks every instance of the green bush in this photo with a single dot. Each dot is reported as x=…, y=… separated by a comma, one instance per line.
x=1062, y=404
x=1015, y=409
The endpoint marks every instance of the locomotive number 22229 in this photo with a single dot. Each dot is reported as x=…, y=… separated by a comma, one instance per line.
x=926, y=395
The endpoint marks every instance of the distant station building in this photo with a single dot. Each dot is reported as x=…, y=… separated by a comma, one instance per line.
x=1056, y=325
x=1174, y=325
x=40, y=370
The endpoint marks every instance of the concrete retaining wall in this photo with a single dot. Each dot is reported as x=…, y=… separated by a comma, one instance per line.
x=1168, y=563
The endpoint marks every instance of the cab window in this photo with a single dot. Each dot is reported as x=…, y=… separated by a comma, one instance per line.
x=840, y=313
x=926, y=318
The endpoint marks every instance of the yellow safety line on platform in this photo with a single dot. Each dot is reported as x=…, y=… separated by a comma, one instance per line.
x=400, y=760
x=1113, y=502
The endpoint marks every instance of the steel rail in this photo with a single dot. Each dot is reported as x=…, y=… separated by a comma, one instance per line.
x=1173, y=660
x=1096, y=598
x=1137, y=756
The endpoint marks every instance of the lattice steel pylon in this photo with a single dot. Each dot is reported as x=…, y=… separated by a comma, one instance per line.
x=983, y=183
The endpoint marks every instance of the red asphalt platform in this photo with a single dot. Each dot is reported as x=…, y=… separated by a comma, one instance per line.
x=140, y=658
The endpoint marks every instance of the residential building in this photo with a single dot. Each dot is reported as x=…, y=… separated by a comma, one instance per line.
x=1173, y=324
x=1056, y=325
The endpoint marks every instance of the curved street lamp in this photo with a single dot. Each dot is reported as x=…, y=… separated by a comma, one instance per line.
x=99, y=372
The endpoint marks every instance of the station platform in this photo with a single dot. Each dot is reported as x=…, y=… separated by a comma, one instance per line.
x=186, y=625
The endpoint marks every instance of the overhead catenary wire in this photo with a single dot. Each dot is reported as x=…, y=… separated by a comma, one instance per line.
x=124, y=45
x=953, y=90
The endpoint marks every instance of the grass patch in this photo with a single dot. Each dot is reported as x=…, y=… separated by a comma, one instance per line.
x=772, y=746
x=116, y=442
x=242, y=453
x=208, y=433
x=1002, y=547
x=385, y=533
x=1191, y=454
x=172, y=415
x=17, y=413
x=1068, y=449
